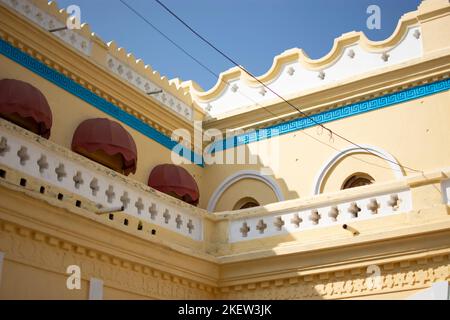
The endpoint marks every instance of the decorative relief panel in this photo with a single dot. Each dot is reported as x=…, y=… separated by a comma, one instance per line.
x=44, y=252
x=334, y=114
x=398, y=278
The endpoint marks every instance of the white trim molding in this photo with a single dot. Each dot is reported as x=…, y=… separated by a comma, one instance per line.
x=393, y=163
x=323, y=214
x=240, y=175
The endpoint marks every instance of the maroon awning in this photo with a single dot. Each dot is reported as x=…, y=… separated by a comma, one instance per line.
x=109, y=136
x=172, y=179
x=22, y=99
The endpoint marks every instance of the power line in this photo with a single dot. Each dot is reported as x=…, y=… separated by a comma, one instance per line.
x=226, y=83
x=216, y=76
x=271, y=90
x=167, y=38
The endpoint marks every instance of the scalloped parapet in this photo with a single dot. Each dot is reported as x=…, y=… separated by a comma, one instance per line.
x=47, y=15
x=293, y=72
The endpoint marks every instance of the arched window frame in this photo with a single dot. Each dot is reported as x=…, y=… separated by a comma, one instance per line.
x=357, y=180
x=245, y=203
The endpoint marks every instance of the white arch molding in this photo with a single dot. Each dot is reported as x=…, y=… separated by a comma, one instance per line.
x=240, y=175
x=393, y=163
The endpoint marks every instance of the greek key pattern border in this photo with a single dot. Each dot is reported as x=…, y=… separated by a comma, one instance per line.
x=332, y=115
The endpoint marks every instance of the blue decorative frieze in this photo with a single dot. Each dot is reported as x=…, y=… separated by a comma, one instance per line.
x=332, y=115
x=91, y=98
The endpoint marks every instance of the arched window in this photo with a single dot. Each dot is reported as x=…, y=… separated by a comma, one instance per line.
x=246, y=203
x=357, y=180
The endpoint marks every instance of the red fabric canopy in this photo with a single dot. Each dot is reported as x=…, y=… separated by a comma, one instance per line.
x=169, y=178
x=109, y=136
x=21, y=98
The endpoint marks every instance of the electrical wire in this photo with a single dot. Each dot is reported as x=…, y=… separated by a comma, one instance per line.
x=256, y=103
x=270, y=89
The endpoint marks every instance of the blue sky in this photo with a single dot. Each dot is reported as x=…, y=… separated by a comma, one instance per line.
x=251, y=31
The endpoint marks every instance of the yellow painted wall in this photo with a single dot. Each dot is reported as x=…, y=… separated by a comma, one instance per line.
x=21, y=281
x=415, y=133
x=377, y=168
x=242, y=189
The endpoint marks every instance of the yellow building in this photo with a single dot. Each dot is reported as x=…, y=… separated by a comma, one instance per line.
x=283, y=209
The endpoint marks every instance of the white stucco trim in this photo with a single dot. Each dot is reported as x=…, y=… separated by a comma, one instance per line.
x=95, y=289
x=395, y=166
x=244, y=174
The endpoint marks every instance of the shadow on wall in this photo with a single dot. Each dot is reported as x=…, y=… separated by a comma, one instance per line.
x=240, y=179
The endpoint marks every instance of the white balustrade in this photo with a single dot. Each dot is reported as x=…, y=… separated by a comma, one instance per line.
x=291, y=221
x=38, y=159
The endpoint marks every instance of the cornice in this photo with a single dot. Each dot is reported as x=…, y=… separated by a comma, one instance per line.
x=80, y=226
x=396, y=277
x=328, y=115
x=52, y=253
x=432, y=9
